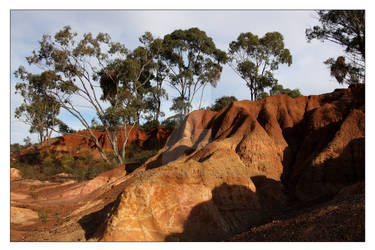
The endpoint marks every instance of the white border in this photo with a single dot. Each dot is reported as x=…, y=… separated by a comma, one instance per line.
x=173, y=4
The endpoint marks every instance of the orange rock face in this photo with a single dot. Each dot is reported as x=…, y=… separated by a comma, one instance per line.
x=73, y=144
x=15, y=174
x=222, y=172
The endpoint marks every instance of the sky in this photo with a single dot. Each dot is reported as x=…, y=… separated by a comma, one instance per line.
x=307, y=72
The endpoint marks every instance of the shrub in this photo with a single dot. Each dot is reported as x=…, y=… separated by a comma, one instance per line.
x=171, y=122
x=34, y=195
x=43, y=215
x=27, y=171
x=68, y=163
x=50, y=164
x=150, y=124
x=31, y=158
x=16, y=148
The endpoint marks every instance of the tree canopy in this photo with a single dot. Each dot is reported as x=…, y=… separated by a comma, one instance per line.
x=222, y=102
x=100, y=73
x=91, y=73
x=254, y=59
x=38, y=110
x=346, y=28
x=278, y=89
x=192, y=61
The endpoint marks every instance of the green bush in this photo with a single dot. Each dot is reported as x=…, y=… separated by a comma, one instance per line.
x=68, y=163
x=31, y=158
x=34, y=195
x=16, y=148
x=150, y=124
x=43, y=215
x=27, y=171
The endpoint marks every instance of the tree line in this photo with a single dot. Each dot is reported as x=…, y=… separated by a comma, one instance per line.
x=125, y=86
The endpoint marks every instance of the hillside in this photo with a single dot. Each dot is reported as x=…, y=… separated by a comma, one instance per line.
x=221, y=174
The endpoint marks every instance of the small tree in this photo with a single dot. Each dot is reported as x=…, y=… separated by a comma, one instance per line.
x=346, y=28
x=254, y=59
x=179, y=106
x=192, y=61
x=222, y=102
x=278, y=90
x=38, y=110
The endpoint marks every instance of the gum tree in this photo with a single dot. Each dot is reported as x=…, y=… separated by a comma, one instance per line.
x=38, y=110
x=255, y=59
x=192, y=61
x=78, y=65
x=345, y=28
x=125, y=84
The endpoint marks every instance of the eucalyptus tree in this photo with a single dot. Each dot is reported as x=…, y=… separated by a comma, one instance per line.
x=156, y=93
x=345, y=28
x=222, y=102
x=278, y=89
x=125, y=84
x=254, y=59
x=38, y=110
x=192, y=61
x=79, y=65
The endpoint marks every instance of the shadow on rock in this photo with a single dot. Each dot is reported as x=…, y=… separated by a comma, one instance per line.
x=233, y=209
x=169, y=156
x=93, y=224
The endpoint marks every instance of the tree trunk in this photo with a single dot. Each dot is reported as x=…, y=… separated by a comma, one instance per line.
x=200, y=102
x=97, y=144
x=157, y=112
x=115, y=147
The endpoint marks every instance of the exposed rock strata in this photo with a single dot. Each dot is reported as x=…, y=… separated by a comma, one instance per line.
x=222, y=172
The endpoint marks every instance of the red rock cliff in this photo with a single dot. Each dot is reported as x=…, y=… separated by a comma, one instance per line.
x=221, y=172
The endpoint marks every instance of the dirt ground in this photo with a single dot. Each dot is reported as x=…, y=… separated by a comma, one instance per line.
x=71, y=217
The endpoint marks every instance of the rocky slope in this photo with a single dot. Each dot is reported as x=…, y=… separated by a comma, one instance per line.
x=340, y=219
x=223, y=172
x=272, y=170
x=74, y=145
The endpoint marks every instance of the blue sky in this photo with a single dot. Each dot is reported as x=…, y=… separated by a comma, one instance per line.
x=308, y=73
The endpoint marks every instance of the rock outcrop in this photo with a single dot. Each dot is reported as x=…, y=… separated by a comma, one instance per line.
x=222, y=172
x=22, y=216
x=15, y=174
x=75, y=144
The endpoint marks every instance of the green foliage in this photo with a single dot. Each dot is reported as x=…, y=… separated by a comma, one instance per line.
x=72, y=68
x=27, y=141
x=255, y=59
x=150, y=125
x=27, y=171
x=136, y=154
x=38, y=109
x=346, y=28
x=222, y=102
x=262, y=95
x=34, y=195
x=44, y=165
x=192, y=61
x=171, y=122
x=279, y=89
x=43, y=215
x=179, y=106
x=16, y=148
